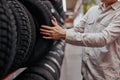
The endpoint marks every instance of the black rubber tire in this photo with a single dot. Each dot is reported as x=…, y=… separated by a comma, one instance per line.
x=58, y=45
x=54, y=12
x=31, y=76
x=63, y=15
x=59, y=7
x=33, y=37
x=51, y=67
x=23, y=32
x=37, y=72
x=8, y=38
x=57, y=51
x=42, y=16
x=56, y=58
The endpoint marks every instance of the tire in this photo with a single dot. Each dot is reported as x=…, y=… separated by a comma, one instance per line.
x=37, y=72
x=59, y=47
x=29, y=76
x=23, y=33
x=42, y=16
x=8, y=38
x=54, y=57
x=50, y=67
x=59, y=7
x=57, y=51
x=63, y=15
x=54, y=12
x=33, y=37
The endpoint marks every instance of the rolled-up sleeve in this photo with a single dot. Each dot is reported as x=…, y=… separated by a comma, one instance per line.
x=106, y=36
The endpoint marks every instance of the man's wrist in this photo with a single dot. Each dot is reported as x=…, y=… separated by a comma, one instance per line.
x=63, y=34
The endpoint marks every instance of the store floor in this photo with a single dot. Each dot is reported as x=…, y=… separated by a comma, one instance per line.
x=71, y=68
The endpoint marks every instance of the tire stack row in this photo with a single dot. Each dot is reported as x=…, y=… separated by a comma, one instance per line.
x=22, y=45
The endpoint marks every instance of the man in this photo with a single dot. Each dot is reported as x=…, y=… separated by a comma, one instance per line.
x=99, y=33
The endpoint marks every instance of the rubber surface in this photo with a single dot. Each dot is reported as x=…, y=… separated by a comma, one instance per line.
x=23, y=32
x=8, y=38
x=35, y=73
x=42, y=16
x=54, y=12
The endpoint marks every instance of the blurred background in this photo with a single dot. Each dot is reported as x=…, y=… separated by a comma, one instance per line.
x=75, y=9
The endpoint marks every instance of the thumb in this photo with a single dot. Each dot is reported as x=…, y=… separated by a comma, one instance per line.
x=54, y=23
x=54, y=19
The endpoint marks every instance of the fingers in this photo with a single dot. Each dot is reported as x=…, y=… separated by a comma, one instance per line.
x=47, y=37
x=47, y=34
x=44, y=30
x=54, y=21
x=46, y=27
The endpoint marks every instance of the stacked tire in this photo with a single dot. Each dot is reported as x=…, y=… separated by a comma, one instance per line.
x=8, y=37
x=22, y=45
x=59, y=7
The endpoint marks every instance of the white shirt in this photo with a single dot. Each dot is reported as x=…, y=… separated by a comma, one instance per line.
x=99, y=33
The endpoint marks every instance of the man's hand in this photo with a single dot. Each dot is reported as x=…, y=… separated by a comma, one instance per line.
x=55, y=32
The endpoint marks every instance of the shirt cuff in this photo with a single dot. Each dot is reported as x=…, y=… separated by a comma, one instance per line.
x=69, y=35
x=75, y=38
